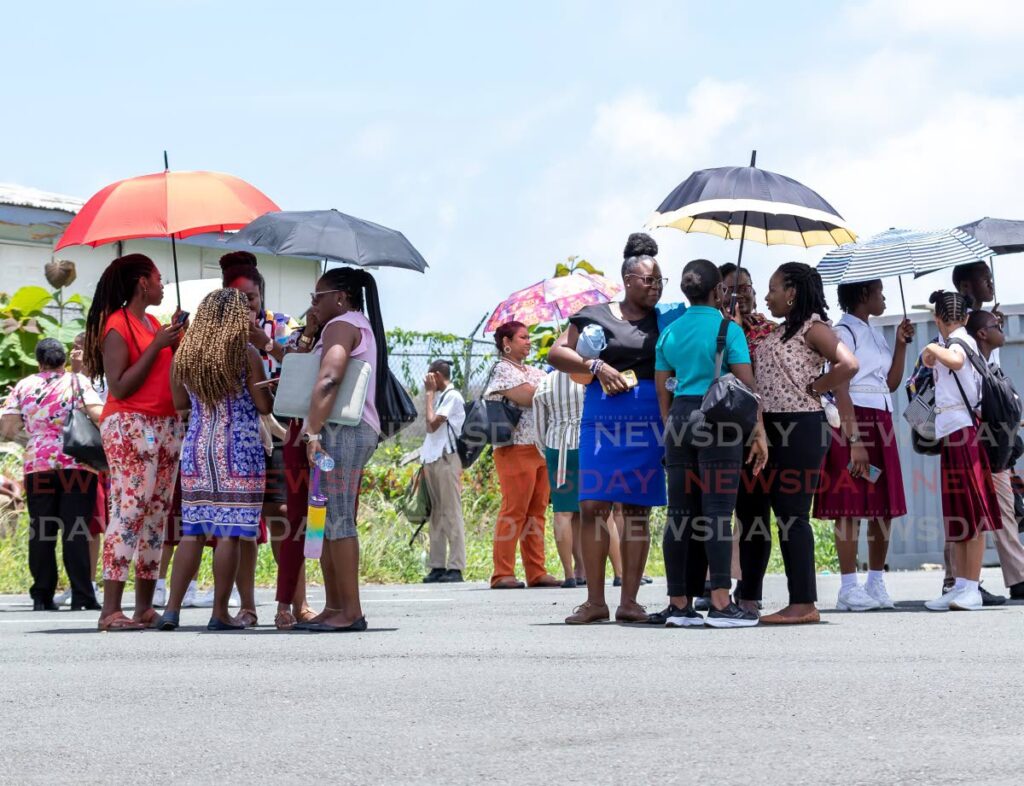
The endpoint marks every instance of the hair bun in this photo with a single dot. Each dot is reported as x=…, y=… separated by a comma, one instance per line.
x=237, y=259
x=935, y=297
x=640, y=244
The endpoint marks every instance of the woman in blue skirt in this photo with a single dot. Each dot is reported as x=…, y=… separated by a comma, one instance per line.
x=620, y=433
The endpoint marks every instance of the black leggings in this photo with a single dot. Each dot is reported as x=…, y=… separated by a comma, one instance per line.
x=703, y=478
x=60, y=500
x=797, y=444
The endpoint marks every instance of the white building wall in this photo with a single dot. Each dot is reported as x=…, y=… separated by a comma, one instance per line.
x=289, y=281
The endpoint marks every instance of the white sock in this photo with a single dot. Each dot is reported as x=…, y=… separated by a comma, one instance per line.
x=876, y=575
x=970, y=586
x=848, y=580
x=960, y=583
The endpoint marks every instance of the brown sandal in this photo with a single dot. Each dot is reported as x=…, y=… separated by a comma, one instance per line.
x=117, y=622
x=284, y=620
x=150, y=619
x=307, y=615
x=247, y=618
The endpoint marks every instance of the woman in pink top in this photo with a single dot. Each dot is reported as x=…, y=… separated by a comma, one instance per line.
x=338, y=304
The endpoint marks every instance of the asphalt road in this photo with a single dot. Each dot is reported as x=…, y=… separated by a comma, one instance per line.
x=459, y=684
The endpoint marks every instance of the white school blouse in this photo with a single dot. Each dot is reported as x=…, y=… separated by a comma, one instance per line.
x=870, y=387
x=950, y=412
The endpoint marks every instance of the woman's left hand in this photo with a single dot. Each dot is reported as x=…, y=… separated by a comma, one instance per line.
x=859, y=460
x=758, y=455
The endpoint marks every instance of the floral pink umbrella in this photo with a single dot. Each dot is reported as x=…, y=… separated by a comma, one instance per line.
x=553, y=299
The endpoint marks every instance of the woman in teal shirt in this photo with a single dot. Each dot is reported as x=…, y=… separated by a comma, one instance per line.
x=703, y=462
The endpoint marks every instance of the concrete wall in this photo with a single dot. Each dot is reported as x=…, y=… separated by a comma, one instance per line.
x=918, y=537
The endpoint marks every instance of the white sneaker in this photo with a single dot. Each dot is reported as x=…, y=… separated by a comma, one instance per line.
x=205, y=601
x=967, y=600
x=942, y=603
x=64, y=598
x=189, y=601
x=160, y=596
x=855, y=598
x=878, y=591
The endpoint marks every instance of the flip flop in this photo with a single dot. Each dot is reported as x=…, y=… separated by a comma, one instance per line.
x=216, y=626
x=117, y=623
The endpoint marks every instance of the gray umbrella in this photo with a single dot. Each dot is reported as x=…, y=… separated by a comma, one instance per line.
x=999, y=234
x=328, y=234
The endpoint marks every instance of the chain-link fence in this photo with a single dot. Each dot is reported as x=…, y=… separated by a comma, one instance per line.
x=470, y=359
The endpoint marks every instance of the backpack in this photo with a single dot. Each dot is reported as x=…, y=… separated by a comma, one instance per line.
x=1001, y=410
x=920, y=413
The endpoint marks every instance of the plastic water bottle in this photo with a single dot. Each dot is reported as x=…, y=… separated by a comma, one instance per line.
x=316, y=511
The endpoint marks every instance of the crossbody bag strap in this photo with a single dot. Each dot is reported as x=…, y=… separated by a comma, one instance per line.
x=720, y=346
x=852, y=334
x=452, y=439
x=963, y=393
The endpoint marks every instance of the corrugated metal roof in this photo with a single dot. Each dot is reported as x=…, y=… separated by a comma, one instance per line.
x=23, y=196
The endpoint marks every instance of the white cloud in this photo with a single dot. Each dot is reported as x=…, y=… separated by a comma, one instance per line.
x=633, y=126
x=989, y=19
x=374, y=141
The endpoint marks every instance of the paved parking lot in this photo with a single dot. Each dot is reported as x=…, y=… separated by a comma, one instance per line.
x=459, y=684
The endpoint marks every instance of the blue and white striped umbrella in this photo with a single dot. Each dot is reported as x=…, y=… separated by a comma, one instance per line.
x=900, y=252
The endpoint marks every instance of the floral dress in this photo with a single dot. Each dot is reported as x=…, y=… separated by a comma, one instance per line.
x=223, y=468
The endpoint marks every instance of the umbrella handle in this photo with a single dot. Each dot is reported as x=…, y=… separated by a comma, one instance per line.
x=739, y=258
x=903, y=300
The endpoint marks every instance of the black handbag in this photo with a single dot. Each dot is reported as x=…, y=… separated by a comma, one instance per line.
x=487, y=423
x=728, y=401
x=82, y=440
x=397, y=410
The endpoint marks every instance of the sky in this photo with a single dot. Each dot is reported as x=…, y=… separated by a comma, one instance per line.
x=502, y=138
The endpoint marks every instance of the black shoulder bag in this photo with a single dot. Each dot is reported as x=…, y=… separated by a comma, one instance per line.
x=728, y=401
x=82, y=440
x=487, y=423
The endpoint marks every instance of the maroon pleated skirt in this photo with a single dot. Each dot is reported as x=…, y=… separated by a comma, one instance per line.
x=969, y=502
x=843, y=496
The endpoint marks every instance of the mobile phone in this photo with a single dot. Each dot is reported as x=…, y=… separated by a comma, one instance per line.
x=181, y=318
x=873, y=472
x=629, y=375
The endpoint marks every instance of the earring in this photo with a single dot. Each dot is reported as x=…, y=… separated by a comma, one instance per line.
x=507, y=349
x=789, y=302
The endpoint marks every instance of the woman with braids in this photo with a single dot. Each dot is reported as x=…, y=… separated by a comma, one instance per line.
x=273, y=334
x=789, y=379
x=348, y=333
x=217, y=375
x=970, y=507
x=848, y=492
x=140, y=428
x=620, y=446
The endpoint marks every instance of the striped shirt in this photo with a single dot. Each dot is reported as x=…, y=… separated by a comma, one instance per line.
x=558, y=407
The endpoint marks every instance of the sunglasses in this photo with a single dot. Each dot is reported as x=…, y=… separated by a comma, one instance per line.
x=649, y=281
x=314, y=297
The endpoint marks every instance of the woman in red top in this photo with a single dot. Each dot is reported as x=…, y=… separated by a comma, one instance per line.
x=141, y=430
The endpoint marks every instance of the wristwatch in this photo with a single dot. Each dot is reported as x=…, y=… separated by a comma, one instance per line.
x=307, y=437
x=853, y=439
x=305, y=340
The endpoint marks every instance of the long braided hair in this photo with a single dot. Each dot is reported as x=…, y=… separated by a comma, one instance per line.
x=361, y=289
x=810, y=295
x=213, y=353
x=114, y=291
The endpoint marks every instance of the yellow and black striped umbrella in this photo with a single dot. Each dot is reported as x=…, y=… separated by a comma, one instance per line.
x=739, y=203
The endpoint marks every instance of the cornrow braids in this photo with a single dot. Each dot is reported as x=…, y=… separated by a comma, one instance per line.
x=213, y=354
x=810, y=295
x=114, y=291
x=950, y=306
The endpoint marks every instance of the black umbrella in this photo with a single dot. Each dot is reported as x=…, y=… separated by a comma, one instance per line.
x=1002, y=235
x=737, y=203
x=330, y=235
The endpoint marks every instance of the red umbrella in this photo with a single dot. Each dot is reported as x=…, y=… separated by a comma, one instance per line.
x=166, y=204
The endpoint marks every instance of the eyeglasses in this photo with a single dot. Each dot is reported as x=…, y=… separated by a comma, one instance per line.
x=314, y=297
x=996, y=325
x=649, y=281
x=742, y=289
